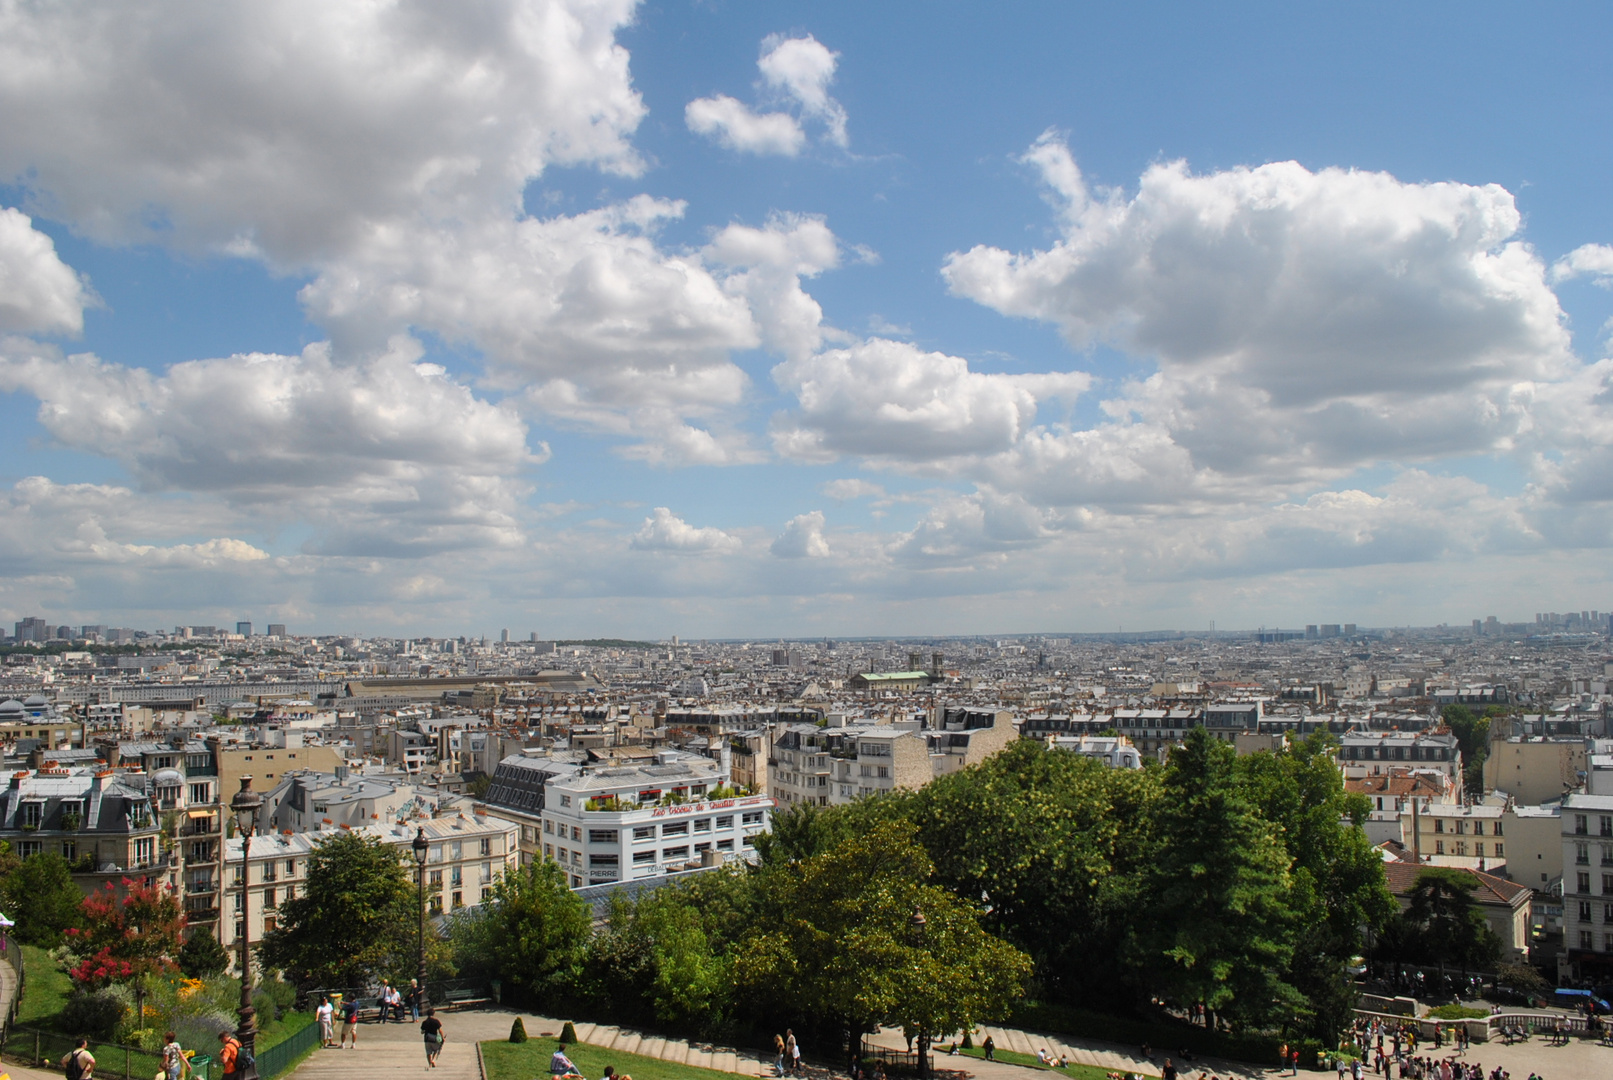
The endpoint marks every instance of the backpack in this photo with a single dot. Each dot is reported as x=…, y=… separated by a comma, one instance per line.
x=75, y=1065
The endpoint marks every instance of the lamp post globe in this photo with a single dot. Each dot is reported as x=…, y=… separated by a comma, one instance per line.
x=245, y=806
x=420, y=848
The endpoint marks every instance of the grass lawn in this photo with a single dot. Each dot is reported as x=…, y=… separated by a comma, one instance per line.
x=1075, y=1069
x=47, y=988
x=523, y=1061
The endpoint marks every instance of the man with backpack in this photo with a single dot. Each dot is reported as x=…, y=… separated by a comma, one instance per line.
x=234, y=1059
x=79, y=1062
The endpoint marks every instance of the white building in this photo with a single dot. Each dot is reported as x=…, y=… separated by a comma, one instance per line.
x=618, y=823
x=1115, y=751
x=1587, y=887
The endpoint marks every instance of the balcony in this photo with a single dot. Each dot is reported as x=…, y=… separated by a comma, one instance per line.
x=196, y=888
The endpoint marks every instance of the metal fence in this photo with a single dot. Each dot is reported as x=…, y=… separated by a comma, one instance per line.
x=45, y=1049
x=280, y=1057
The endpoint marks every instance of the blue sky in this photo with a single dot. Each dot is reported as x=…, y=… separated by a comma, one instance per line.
x=740, y=319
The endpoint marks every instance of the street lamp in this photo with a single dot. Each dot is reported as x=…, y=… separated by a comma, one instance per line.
x=918, y=922
x=419, y=846
x=245, y=807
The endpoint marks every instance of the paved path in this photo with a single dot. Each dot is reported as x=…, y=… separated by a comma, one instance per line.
x=397, y=1048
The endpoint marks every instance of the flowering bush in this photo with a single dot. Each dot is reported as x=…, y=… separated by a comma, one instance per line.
x=127, y=933
x=100, y=970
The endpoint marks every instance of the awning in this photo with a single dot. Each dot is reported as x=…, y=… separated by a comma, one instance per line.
x=198, y=813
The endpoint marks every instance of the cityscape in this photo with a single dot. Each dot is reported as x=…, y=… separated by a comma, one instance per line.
x=695, y=540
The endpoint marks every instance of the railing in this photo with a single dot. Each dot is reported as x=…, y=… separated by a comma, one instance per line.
x=11, y=953
x=280, y=1057
x=111, y=1059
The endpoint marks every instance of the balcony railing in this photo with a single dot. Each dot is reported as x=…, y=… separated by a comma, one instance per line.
x=194, y=887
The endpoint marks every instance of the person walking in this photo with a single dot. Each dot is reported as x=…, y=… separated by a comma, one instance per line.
x=229, y=1054
x=990, y=1046
x=349, y=1024
x=79, y=1063
x=431, y=1031
x=416, y=1005
x=174, y=1062
x=792, y=1052
x=384, y=998
x=778, y=1055
x=326, y=1015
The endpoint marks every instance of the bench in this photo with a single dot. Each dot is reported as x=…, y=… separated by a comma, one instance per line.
x=460, y=999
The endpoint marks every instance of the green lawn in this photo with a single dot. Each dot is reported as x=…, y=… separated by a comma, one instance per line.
x=523, y=1061
x=1075, y=1069
x=46, y=989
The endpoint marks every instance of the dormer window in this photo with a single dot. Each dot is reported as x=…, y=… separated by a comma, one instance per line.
x=33, y=811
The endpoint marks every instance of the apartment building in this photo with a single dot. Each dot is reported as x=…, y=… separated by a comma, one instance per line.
x=308, y=800
x=98, y=819
x=467, y=853
x=1466, y=837
x=622, y=822
x=518, y=793
x=1587, y=832
x=1536, y=769
x=1376, y=753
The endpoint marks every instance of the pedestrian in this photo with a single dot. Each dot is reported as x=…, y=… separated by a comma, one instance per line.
x=326, y=1015
x=416, y=992
x=349, y=1024
x=1293, y=1059
x=229, y=1054
x=795, y=1055
x=431, y=1030
x=778, y=1055
x=79, y=1063
x=990, y=1046
x=1169, y=1072
x=792, y=1052
x=384, y=998
x=174, y=1062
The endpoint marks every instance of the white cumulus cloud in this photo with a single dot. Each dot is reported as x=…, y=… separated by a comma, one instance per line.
x=665, y=531
x=735, y=125
x=802, y=538
x=38, y=292
x=797, y=71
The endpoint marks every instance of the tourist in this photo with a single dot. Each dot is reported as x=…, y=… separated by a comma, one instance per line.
x=174, y=1062
x=79, y=1063
x=792, y=1051
x=778, y=1055
x=349, y=1024
x=326, y=1015
x=560, y=1064
x=229, y=1054
x=990, y=1047
x=416, y=1000
x=431, y=1031
x=612, y=1074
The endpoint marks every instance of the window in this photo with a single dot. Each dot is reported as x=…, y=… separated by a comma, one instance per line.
x=456, y=876
x=201, y=793
x=269, y=923
x=548, y=849
x=269, y=902
x=145, y=851
x=435, y=904
x=1499, y=852
x=436, y=879
x=436, y=853
x=644, y=832
x=1581, y=825
x=459, y=900
x=725, y=822
x=1478, y=849
x=753, y=818
x=487, y=872
x=487, y=846
x=680, y=828
x=1497, y=829
x=1583, y=881
x=1582, y=854
x=548, y=827
x=291, y=892
x=702, y=847
x=884, y=772
x=69, y=850
x=565, y=800
x=486, y=894
x=641, y=857
x=1478, y=828
x=527, y=834
x=725, y=845
x=1439, y=847
x=1585, y=910
x=1607, y=913
x=748, y=841
x=1607, y=825
x=1439, y=825
x=602, y=836
x=32, y=811
x=679, y=852
x=1607, y=884
x=602, y=861
x=269, y=872
x=703, y=825
x=26, y=848
x=458, y=850
x=291, y=868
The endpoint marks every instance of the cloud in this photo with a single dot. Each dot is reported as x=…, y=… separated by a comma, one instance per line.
x=766, y=266
x=732, y=124
x=294, y=129
x=39, y=294
x=1593, y=259
x=891, y=400
x=799, y=71
x=802, y=538
x=389, y=457
x=804, y=68
x=665, y=531
x=848, y=489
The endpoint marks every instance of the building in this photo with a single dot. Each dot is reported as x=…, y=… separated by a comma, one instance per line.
x=1534, y=845
x=308, y=800
x=964, y=737
x=517, y=793
x=1505, y=904
x=618, y=823
x=899, y=682
x=1536, y=769
x=1587, y=835
x=1115, y=751
x=1390, y=796
x=467, y=854
x=100, y=820
x=1375, y=753
x=1465, y=837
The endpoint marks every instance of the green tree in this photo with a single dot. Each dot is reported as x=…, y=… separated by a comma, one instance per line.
x=1212, y=922
x=532, y=933
x=1473, y=738
x=836, y=941
x=201, y=956
x=41, y=897
x=1444, y=924
x=356, y=913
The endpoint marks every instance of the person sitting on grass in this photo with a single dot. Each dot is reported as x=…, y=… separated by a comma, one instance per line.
x=612, y=1074
x=560, y=1064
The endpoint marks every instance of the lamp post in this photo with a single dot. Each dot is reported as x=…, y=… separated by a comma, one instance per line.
x=918, y=923
x=245, y=807
x=419, y=845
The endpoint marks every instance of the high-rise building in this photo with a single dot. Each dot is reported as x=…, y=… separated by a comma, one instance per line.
x=32, y=628
x=244, y=629
x=504, y=636
x=277, y=629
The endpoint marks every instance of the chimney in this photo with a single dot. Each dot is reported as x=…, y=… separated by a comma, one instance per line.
x=36, y=757
x=17, y=778
x=114, y=754
x=98, y=781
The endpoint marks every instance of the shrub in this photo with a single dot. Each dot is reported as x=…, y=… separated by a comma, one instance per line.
x=1457, y=1012
x=568, y=1034
x=95, y=1013
x=518, y=1031
x=968, y=1040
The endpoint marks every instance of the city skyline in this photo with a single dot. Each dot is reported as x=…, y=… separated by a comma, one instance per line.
x=622, y=319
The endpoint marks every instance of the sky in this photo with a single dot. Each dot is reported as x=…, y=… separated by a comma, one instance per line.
x=727, y=319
